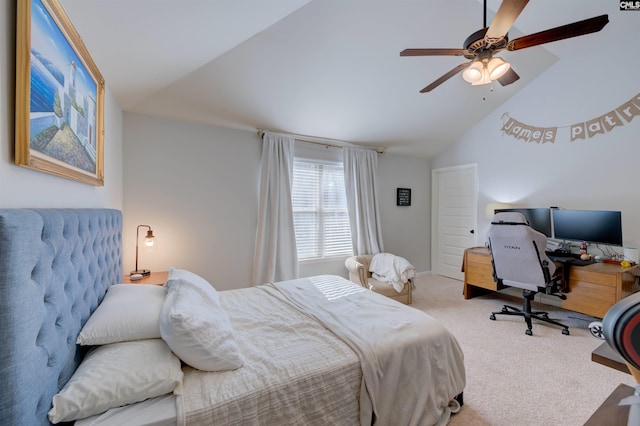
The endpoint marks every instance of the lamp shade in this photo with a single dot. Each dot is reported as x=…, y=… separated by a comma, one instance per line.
x=489, y=211
x=497, y=68
x=473, y=73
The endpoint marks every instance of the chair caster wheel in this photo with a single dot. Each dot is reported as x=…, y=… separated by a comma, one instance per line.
x=505, y=309
x=492, y=317
x=596, y=329
x=565, y=331
x=528, y=332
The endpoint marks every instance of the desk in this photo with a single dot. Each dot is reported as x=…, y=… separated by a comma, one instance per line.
x=593, y=289
x=604, y=355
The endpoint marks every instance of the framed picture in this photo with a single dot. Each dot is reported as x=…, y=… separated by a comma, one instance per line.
x=403, y=197
x=59, y=96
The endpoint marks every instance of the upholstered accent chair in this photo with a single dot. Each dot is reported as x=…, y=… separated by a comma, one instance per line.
x=358, y=267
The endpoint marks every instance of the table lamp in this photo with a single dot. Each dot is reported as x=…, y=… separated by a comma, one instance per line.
x=149, y=241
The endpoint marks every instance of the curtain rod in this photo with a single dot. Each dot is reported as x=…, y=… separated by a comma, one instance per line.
x=326, y=144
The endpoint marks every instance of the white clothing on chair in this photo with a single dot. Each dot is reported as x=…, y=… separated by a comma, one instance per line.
x=393, y=269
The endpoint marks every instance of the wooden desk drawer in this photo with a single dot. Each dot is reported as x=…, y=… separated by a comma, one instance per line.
x=579, y=274
x=481, y=258
x=480, y=275
x=589, y=298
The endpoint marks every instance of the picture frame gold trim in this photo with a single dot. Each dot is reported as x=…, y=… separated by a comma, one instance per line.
x=26, y=154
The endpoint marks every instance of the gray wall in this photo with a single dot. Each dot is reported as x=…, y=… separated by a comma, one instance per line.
x=22, y=187
x=197, y=186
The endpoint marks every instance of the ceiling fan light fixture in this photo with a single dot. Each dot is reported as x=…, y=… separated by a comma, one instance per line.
x=473, y=73
x=497, y=67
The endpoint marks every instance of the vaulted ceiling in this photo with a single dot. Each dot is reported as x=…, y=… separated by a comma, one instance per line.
x=320, y=68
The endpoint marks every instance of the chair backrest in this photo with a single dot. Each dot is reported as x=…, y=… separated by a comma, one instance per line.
x=517, y=252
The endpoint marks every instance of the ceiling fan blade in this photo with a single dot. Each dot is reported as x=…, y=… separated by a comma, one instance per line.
x=509, y=77
x=505, y=17
x=445, y=77
x=588, y=26
x=433, y=52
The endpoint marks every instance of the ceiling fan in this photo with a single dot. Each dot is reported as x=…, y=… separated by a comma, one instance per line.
x=481, y=46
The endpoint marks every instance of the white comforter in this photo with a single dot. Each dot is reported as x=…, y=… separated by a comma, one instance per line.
x=389, y=362
x=412, y=366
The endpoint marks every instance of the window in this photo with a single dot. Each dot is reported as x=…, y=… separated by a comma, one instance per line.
x=320, y=213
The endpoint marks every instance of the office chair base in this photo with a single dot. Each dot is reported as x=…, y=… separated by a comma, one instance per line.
x=528, y=315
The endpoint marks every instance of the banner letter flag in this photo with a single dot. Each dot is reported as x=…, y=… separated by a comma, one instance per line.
x=508, y=125
x=577, y=131
x=594, y=127
x=628, y=110
x=536, y=134
x=611, y=120
x=550, y=134
x=636, y=100
x=515, y=130
x=525, y=133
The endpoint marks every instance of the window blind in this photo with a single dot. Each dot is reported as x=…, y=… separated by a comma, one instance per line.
x=320, y=213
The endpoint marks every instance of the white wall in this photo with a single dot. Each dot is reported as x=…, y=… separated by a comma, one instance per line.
x=197, y=187
x=22, y=187
x=596, y=173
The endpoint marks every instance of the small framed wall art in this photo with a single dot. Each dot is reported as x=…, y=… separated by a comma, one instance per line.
x=403, y=197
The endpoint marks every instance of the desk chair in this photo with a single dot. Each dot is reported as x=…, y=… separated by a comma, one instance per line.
x=519, y=260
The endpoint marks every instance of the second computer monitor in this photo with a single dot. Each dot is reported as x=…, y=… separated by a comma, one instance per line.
x=593, y=226
x=538, y=218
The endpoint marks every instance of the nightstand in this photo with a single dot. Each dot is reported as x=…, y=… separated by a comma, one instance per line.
x=155, y=278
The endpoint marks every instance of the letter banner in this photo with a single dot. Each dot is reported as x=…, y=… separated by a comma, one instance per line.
x=590, y=128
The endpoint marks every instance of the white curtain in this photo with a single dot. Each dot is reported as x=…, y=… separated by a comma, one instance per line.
x=362, y=200
x=275, y=257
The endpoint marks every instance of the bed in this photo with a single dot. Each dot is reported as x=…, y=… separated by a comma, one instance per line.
x=317, y=350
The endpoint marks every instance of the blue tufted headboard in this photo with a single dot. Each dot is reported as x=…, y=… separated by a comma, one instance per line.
x=55, y=267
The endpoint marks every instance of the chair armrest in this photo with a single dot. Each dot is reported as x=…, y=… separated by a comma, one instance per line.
x=358, y=268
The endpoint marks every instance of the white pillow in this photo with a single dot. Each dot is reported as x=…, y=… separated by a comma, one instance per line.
x=196, y=281
x=127, y=312
x=198, y=330
x=115, y=375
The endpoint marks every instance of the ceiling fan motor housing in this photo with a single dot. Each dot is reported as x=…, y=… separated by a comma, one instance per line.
x=476, y=43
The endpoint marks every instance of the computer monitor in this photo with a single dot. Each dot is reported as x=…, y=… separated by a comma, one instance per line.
x=538, y=218
x=593, y=226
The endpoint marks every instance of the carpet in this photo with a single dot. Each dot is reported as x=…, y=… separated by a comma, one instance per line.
x=515, y=379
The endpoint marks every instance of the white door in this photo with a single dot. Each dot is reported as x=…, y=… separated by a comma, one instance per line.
x=454, y=217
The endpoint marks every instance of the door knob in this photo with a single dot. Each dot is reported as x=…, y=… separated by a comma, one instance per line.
x=472, y=232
